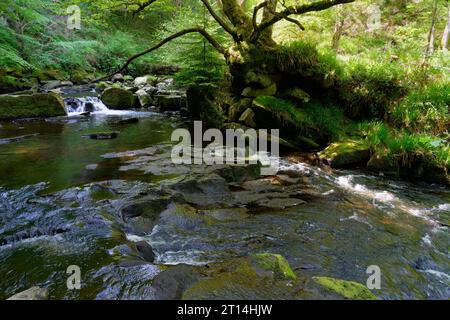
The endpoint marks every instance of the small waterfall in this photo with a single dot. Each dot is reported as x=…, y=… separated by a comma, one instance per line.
x=76, y=106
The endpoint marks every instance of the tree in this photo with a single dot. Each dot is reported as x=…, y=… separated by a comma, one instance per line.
x=252, y=39
x=445, y=35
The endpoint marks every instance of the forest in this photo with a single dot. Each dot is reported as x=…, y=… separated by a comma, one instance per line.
x=92, y=91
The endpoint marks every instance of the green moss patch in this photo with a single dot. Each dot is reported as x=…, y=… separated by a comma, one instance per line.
x=347, y=289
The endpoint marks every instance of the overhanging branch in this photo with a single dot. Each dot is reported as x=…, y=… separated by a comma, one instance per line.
x=201, y=31
x=301, y=9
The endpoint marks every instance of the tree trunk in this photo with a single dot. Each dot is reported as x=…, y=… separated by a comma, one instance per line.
x=445, y=36
x=430, y=45
x=338, y=28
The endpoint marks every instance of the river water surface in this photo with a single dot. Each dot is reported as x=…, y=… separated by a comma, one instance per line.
x=60, y=193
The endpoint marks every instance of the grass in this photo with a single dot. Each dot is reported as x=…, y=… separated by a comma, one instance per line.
x=405, y=147
x=325, y=118
x=424, y=111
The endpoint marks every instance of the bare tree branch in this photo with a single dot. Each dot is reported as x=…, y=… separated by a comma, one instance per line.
x=199, y=30
x=300, y=9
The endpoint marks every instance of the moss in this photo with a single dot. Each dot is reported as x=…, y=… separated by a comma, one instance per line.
x=277, y=264
x=347, y=289
x=346, y=153
x=252, y=92
x=29, y=106
x=117, y=98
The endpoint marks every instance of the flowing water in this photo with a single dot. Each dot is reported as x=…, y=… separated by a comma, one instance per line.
x=60, y=194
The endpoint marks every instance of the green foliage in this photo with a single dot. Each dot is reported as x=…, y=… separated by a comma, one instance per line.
x=200, y=63
x=303, y=58
x=424, y=111
x=403, y=146
x=325, y=118
x=368, y=92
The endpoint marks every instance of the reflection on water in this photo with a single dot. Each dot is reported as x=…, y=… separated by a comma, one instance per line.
x=60, y=155
x=55, y=213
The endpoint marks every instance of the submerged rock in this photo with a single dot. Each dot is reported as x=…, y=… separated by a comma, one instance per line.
x=29, y=106
x=119, y=99
x=346, y=154
x=34, y=293
x=347, y=289
x=18, y=138
x=102, y=135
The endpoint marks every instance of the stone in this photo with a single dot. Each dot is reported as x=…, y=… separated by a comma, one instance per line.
x=253, y=93
x=145, y=99
x=248, y=118
x=30, y=106
x=346, y=154
x=261, y=277
x=171, y=283
x=102, y=135
x=258, y=79
x=145, y=80
x=170, y=102
x=298, y=95
x=145, y=251
x=18, y=138
x=236, y=110
x=347, y=289
x=118, y=78
x=34, y=293
x=119, y=99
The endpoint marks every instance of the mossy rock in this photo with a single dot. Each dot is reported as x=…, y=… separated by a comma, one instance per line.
x=346, y=154
x=30, y=106
x=235, y=111
x=248, y=118
x=261, y=80
x=297, y=95
x=119, y=99
x=347, y=289
x=253, y=93
x=275, y=263
x=264, y=276
x=11, y=84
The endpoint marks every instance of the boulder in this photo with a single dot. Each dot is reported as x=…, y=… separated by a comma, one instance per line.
x=346, y=154
x=145, y=251
x=259, y=80
x=145, y=80
x=34, y=293
x=260, y=276
x=250, y=92
x=171, y=102
x=118, y=78
x=32, y=105
x=347, y=289
x=119, y=99
x=145, y=99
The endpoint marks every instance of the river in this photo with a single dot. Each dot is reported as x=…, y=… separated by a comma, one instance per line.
x=61, y=195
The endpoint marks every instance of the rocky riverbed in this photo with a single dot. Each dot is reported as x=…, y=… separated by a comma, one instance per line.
x=140, y=227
